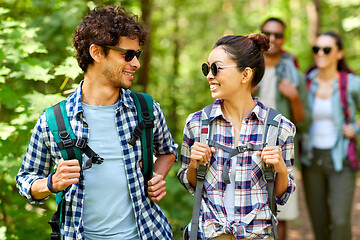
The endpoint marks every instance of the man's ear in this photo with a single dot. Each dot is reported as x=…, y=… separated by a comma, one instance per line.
x=96, y=52
x=246, y=75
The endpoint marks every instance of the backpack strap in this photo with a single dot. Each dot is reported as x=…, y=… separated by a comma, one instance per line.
x=70, y=148
x=352, y=148
x=205, y=132
x=269, y=137
x=343, y=85
x=145, y=110
x=60, y=127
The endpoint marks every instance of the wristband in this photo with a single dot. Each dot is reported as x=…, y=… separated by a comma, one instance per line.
x=49, y=183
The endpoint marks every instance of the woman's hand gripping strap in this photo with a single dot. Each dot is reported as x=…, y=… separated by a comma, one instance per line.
x=200, y=175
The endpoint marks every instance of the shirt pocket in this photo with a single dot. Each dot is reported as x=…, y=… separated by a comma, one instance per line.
x=256, y=171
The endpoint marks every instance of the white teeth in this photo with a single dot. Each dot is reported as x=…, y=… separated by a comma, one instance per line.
x=212, y=87
x=126, y=73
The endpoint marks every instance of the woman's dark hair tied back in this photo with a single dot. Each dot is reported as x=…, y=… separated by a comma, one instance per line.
x=247, y=52
x=261, y=40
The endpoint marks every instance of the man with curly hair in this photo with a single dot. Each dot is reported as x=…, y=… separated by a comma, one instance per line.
x=107, y=201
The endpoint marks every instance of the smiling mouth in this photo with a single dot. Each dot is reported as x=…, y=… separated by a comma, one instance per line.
x=213, y=87
x=127, y=73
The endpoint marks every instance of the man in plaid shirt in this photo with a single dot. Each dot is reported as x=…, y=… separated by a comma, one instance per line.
x=107, y=201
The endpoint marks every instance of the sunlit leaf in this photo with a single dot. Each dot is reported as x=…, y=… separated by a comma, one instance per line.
x=6, y=130
x=69, y=68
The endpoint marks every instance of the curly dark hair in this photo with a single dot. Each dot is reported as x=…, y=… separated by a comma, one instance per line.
x=104, y=26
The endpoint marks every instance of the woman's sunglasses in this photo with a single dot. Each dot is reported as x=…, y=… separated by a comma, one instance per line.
x=213, y=68
x=326, y=50
x=129, y=54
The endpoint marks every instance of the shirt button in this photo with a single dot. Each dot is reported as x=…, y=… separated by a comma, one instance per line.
x=79, y=204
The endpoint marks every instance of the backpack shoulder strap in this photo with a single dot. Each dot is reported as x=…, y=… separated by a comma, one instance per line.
x=269, y=137
x=307, y=77
x=70, y=148
x=145, y=110
x=59, y=125
x=201, y=172
x=343, y=87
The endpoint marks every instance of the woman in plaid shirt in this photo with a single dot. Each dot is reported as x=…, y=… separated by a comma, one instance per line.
x=239, y=210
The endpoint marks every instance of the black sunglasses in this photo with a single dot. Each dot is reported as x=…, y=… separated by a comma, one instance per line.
x=277, y=35
x=129, y=54
x=205, y=68
x=326, y=50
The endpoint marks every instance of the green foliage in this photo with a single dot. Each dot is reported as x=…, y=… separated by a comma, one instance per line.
x=38, y=63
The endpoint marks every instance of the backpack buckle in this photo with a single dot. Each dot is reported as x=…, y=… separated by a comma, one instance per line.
x=64, y=134
x=241, y=149
x=269, y=174
x=55, y=236
x=80, y=143
x=135, y=135
x=201, y=171
x=66, y=143
x=147, y=121
x=97, y=159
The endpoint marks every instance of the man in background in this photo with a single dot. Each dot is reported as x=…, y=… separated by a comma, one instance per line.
x=283, y=88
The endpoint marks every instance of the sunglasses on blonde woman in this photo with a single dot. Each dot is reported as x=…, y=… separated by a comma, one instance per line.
x=213, y=68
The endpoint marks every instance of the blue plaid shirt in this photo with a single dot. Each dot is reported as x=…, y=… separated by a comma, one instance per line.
x=42, y=152
x=251, y=211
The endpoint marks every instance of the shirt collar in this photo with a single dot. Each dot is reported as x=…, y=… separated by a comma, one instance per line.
x=124, y=98
x=258, y=112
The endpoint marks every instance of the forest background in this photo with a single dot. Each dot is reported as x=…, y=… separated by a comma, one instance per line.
x=38, y=68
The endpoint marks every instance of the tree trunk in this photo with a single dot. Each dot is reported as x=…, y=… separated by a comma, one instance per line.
x=313, y=12
x=146, y=55
x=176, y=64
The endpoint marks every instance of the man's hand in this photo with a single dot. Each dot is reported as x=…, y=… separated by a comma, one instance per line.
x=156, y=187
x=288, y=89
x=67, y=173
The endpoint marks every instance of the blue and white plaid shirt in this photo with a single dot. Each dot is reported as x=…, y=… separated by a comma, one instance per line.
x=252, y=213
x=42, y=152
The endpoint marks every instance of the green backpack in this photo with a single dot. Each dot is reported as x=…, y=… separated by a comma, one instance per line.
x=70, y=147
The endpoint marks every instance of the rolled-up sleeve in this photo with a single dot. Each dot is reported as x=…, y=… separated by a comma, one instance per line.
x=163, y=140
x=188, y=141
x=36, y=164
x=288, y=132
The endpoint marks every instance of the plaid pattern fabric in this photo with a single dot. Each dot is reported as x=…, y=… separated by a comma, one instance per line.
x=42, y=152
x=251, y=211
